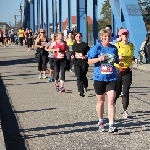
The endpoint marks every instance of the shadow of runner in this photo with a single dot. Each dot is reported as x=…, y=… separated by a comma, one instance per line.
x=18, y=61
x=12, y=137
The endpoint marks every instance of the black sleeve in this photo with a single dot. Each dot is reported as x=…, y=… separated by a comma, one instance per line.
x=147, y=39
x=87, y=48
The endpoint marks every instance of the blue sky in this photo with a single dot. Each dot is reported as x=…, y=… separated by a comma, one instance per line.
x=13, y=8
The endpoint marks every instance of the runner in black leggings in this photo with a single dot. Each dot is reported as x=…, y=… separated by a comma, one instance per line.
x=41, y=43
x=80, y=50
x=59, y=48
x=124, y=72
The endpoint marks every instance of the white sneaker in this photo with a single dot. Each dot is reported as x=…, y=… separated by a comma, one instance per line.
x=40, y=76
x=101, y=127
x=125, y=114
x=44, y=77
x=112, y=129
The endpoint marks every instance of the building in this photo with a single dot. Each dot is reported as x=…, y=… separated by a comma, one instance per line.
x=74, y=22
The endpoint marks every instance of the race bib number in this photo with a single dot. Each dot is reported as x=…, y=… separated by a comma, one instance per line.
x=78, y=55
x=43, y=43
x=106, y=69
x=60, y=55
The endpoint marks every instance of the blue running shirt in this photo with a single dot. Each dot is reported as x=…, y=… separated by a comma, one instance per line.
x=105, y=70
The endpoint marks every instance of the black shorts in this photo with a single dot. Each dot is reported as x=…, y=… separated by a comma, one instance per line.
x=102, y=87
x=51, y=62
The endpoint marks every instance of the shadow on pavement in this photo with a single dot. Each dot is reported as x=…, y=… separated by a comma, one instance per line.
x=24, y=111
x=18, y=61
x=79, y=124
x=88, y=129
x=12, y=136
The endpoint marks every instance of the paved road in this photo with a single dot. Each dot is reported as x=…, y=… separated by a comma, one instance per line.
x=64, y=121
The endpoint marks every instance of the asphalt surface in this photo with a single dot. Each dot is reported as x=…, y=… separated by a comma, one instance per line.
x=34, y=116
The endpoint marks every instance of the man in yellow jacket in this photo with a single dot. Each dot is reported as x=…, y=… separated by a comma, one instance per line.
x=21, y=36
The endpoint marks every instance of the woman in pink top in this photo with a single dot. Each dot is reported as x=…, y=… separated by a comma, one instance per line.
x=59, y=48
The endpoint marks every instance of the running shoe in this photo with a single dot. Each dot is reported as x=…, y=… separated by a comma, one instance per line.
x=40, y=76
x=57, y=87
x=50, y=79
x=44, y=77
x=125, y=114
x=62, y=89
x=101, y=127
x=112, y=129
x=82, y=95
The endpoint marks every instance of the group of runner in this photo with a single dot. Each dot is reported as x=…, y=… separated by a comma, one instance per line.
x=7, y=37
x=10, y=37
x=112, y=58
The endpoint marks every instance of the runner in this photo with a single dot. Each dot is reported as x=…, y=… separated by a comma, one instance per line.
x=29, y=39
x=12, y=39
x=59, y=48
x=21, y=36
x=1, y=37
x=41, y=43
x=70, y=41
x=51, y=60
x=104, y=55
x=25, y=36
x=124, y=72
x=5, y=37
x=80, y=50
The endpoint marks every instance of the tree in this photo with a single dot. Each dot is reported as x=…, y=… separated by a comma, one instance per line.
x=145, y=6
x=90, y=27
x=105, y=15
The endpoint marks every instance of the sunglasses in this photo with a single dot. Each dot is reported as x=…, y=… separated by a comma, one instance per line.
x=79, y=36
x=42, y=32
x=125, y=33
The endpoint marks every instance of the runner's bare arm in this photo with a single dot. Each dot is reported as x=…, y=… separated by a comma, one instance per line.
x=36, y=41
x=95, y=60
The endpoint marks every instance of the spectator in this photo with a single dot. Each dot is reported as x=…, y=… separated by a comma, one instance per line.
x=147, y=44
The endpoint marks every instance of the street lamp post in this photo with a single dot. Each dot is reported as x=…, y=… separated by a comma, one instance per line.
x=21, y=15
x=15, y=22
x=15, y=19
x=55, y=16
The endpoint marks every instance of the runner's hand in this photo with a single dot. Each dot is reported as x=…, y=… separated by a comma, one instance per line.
x=84, y=57
x=121, y=64
x=136, y=61
x=72, y=56
x=121, y=57
x=102, y=58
